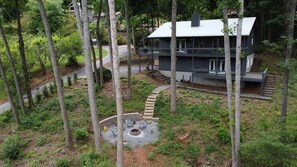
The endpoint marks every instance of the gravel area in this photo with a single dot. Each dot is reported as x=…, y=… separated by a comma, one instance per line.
x=148, y=133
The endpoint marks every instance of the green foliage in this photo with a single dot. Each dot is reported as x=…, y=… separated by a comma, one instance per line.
x=52, y=88
x=210, y=149
x=38, y=97
x=54, y=11
x=223, y=135
x=69, y=47
x=171, y=148
x=62, y=162
x=121, y=40
x=6, y=117
x=2, y=90
x=106, y=74
x=93, y=159
x=151, y=156
x=75, y=78
x=42, y=140
x=11, y=148
x=45, y=91
x=81, y=134
x=34, y=120
x=264, y=152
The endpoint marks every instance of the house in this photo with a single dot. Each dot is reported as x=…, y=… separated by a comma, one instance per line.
x=200, y=51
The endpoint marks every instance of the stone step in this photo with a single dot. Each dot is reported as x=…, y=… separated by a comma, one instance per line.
x=152, y=97
x=149, y=107
x=151, y=100
x=148, y=114
x=147, y=117
x=149, y=110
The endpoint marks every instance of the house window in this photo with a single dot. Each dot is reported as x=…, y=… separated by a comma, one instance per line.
x=252, y=41
x=181, y=45
x=220, y=66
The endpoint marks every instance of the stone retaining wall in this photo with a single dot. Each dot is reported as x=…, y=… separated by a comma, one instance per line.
x=113, y=119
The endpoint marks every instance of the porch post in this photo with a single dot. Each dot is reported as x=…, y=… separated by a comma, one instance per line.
x=152, y=50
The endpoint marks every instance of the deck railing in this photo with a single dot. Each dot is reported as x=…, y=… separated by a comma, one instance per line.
x=156, y=50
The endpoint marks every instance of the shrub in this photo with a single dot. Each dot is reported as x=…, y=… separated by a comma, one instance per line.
x=121, y=40
x=94, y=159
x=11, y=148
x=45, y=91
x=69, y=81
x=52, y=88
x=106, y=74
x=151, y=156
x=223, y=135
x=81, y=134
x=62, y=162
x=75, y=78
x=38, y=97
x=5, y=117
x=260, y=153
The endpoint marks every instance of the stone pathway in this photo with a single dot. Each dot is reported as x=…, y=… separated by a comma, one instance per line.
x=150, y=102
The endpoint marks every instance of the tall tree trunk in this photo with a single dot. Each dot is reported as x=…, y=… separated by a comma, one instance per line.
x=128, y=47
x=68, y=136
x=119, y=98
x=78, y=20
x=110, y=48
x=12, y=67
x=23, y=57
x=8, y=93
x=90, y=79
x=228, y=78
x=99, y=44
x=94, y=62
x=237, y=84
x=290, y=8
x=173, y=59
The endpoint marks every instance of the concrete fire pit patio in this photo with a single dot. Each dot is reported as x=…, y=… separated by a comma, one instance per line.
x=137, y=132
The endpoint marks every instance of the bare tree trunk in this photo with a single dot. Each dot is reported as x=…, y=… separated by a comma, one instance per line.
x=229, y=78
x=173, y=59
x=94, y=63
x=23, y=57
x=119, y=98
x=290, y=7
x=90, y=79
x=128, y=48
x=68, y=136
x=110, y=49
x=238, y=84
x=99, y=44
x=78, y=19
x=8, y=93
x=12, y=67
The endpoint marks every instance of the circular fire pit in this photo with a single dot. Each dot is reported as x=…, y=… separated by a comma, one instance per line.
x=135, y=132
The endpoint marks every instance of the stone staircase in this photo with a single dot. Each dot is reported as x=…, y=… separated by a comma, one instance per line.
x=268, y=89
x=158, y=76
x=150, y=103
